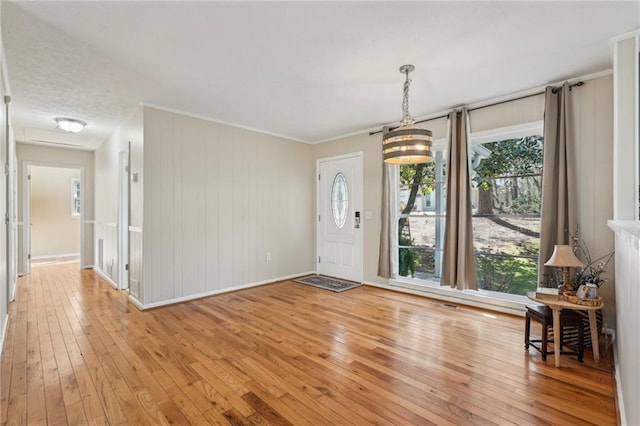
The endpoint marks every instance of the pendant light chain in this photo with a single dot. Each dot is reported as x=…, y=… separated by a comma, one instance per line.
x=407, y=144
x=406, y=117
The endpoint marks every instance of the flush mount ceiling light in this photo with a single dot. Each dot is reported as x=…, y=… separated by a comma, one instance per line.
x=407, y=144
x=70, y=124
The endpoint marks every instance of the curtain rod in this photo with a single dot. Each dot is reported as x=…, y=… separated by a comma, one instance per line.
x=555, y=90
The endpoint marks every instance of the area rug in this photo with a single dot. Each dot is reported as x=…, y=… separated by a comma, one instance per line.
x=328, y=283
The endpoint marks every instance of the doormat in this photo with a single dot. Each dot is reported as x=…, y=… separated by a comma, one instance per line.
x=328, y=283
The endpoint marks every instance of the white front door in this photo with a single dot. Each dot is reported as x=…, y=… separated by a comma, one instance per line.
x=340, y=234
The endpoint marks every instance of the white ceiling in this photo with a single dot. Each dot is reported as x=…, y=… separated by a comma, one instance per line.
x=309, y=71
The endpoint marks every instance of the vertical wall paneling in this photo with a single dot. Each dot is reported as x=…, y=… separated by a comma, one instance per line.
x=225, y=205
x=108, y=183
x=107, y=265
x=201, y=207
x=179, y=148
x=189, y=206
x=592, y=118
x=167, y=191
x=627, y=243
x=135, y=262
x=211, y=142
x=253, y=256
x=212, y=185
x=152, y=205
x=89, y=257
x=626, y=110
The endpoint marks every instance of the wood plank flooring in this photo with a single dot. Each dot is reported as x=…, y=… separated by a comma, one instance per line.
x=78, y=353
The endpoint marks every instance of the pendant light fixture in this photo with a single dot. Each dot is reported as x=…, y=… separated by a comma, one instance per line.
x=407, y=144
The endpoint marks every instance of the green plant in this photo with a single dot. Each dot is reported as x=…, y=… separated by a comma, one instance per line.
x=514, y=273
x=525, y=204
x=408, y=258
x=592, y=272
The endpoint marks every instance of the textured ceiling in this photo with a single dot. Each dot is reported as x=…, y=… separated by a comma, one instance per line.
x=309, y=70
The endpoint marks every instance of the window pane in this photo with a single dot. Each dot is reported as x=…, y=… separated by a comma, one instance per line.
x=421, y=206
x=506, y=197
x=339, y=200
x=75, y=193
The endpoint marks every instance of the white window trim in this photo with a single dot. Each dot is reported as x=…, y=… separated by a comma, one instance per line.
x=509, y=132
x=502, y=302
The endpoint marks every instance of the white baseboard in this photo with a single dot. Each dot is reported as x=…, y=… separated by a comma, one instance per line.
x=4, y=333
x=142, y=306
x=106, y=278
x=51, y=257
x=136, y=302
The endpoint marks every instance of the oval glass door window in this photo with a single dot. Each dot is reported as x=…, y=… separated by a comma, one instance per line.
x=339, y=200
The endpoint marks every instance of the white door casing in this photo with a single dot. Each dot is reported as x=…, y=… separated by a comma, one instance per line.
x=339, y=217
x=26, y=217
x=123, y=219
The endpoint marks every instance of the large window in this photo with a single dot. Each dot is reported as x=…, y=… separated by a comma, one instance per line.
x=506, y=199
x=421, y=207
x=506, y=195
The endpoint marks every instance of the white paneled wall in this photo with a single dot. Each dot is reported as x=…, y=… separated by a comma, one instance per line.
x=135, y=262
x=216, y=200
x=592, y=115
x=88, y=249
x=627, y=236
x=106, y=251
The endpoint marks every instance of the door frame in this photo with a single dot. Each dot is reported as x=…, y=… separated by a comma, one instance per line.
x=26, y=209
x=124, y=216
x=359, y=199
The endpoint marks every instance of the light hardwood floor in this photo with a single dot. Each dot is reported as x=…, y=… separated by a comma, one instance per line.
x=78, y=353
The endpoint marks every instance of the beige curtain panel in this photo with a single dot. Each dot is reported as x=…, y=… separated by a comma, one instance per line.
x=384, y=259
x=458, y=263
x=559, y=212
x=384, y=256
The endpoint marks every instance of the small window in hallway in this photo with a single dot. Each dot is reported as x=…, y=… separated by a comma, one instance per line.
x=75, y=197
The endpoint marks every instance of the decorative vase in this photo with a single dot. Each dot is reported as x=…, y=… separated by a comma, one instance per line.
x=593, y=291
x=587, y=291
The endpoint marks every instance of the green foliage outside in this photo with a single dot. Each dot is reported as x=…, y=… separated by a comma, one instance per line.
x=510, y=157
x=408, y=258
x=526, y=204
x=516, y=275
x=426, y=176
x=509, y=180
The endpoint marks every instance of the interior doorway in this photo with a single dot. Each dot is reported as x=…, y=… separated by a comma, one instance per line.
x=53, y=213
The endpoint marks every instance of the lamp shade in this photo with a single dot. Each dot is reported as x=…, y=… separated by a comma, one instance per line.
x=407, y=145
x=563, y=256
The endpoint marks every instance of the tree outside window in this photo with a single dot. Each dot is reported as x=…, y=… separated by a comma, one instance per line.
x=506, y=197
x=506, y=202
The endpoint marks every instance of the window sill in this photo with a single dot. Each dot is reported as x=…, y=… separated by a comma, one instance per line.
x=491, y=300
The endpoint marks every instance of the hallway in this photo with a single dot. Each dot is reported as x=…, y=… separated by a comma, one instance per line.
x=78, y=353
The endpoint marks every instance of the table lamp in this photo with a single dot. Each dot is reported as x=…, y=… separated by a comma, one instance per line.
x=563, y=257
